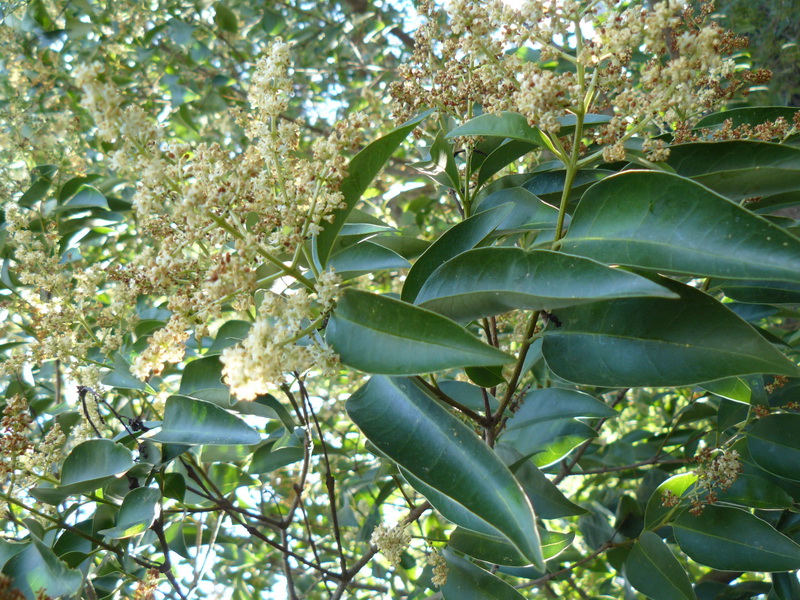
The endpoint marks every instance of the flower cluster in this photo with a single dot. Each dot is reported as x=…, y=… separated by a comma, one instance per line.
x=22, y=463
x=221, y=224
x=716, y=473
x=391, y=541
x=439, y=565
x=550, y=59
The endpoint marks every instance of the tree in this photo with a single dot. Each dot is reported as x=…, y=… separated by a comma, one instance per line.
x=531, y=334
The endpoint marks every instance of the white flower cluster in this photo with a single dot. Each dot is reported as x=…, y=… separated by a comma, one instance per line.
x=391, y=541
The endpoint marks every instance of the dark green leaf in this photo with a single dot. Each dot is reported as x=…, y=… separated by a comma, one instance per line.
x=653, y=570
x=377, y=334
x=225, y=18
x=137, y=513
x=461, y=237
x=760, y=292
x=501, y=157
x=490, y=281
x=730, y=539
x=657, y=342
x=92, y=463
x=202, y=379
x=360, y=173
x=366, y=257
x=774, y=443
x=121, y=376
x=399, y=419
x=499, y=551
x=663, y=222
x=440, y=165
x=505, y=124
x=466, y=581
x=86, y=197
x=528, y=212
x=189, y=421
x=739, y=169
x=38, y=568
x=756, y=492
x=230, y=334
x=750, y=115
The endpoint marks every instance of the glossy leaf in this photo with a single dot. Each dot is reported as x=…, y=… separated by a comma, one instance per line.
x=377, y=334
x=528, y=211
x=545, y=427
x=202, y=379
x=93, y=462
x=739, y=169
x=730, y=539
x=490, y=281
x=504, y=124
x=366, y=257
x=676, y=485
x=440, y=165
x=658, y=342
x=38, y=568
x=756, y=492
x=774, y=443
x=653, y=570
x=662, y=222
x=467, y=581
x=760, y=292
x=500, y=551
x=549, y=186
x=230, y=334
x=86, y=197
x=461, y=237
x=137, y=513
x=501, y=157
x=750, y=115
x=189, y=421
x=399, y=419
x=360, y=172
x=548, y=501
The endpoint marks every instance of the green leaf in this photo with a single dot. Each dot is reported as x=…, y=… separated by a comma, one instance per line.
x=461, y=237
x=756, y=492
x=377, y=334
x=738, y=389
x=656, y=511
x=658, y=342
x=545, y=426
x=121, y=376
x=360, y=173
x=202, y=379
x=549, y=186
x=662, y=222
x=366, y=257
x=466, y=581
x=652, y=569
x=399, y=419
x=501, y=157
x=750, y=115
x=230, y=334
x=491, y=281
x=528, y=212
x=225, y=18
x=41, y=180
x=499, y=551
x=774, y=444
x=193, y=422
x=137, y=513
x=548, y=501
x=505, y=124
x=739, y=169
x=759, y=291
x=86, y=197
x=730, y=539
x=92, y=463
x=38, y=568
x=440, y=165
